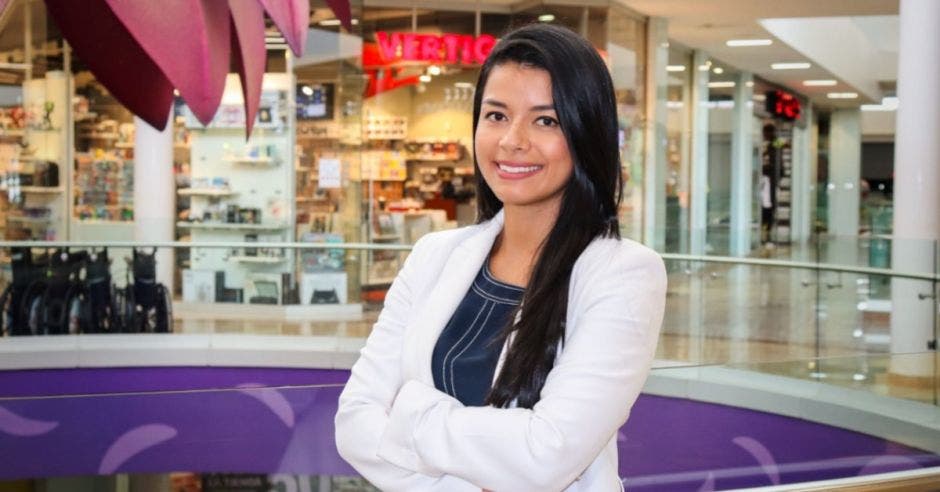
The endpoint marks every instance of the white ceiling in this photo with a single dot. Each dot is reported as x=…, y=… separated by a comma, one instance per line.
x=852, y=41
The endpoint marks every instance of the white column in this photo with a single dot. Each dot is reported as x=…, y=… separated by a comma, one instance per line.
x=742, y=165
x=698, y=199
x=654, y=180
x=802, y=178
x=155, y=192
x=916, y=182
x=845, y=165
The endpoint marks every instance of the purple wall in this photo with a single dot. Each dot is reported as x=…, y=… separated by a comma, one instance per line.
x=668, y=443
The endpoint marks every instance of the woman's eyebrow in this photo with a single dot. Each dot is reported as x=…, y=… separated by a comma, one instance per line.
x=537, y=107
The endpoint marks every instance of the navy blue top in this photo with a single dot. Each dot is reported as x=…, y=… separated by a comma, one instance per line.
x=465, y=355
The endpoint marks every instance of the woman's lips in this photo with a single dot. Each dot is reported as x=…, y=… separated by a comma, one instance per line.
x=516, y=170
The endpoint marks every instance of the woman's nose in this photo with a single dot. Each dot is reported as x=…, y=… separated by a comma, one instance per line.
x=515, y=138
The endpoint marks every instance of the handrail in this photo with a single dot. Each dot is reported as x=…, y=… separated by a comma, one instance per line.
x=806, y=265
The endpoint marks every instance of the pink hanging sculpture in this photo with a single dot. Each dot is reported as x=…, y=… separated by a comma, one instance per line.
x=140, y=49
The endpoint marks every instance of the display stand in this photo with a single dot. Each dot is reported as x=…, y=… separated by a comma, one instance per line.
x=242, y=191
x=33, y=149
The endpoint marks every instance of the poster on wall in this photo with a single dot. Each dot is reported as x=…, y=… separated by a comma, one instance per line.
x=314, y=102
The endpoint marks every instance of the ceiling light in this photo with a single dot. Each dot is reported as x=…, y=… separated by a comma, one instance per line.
x=748, y=42
x=887, y=104
x=307, y=90
x=721, y=85
x=842, y=95
x=675, y=68
x=546, y=18
x=718, y=70
x=425, y=78
x=434, y=70
x=790, y=66
x=703, y=68
x=819, y=83
x=464, y=85
x=330, y=22
x=354, y=22
x=749, y=83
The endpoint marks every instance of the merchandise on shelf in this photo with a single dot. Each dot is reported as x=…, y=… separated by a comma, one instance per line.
x=104, y=187
x=385, y=127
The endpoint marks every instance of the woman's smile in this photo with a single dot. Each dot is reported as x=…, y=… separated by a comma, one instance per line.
x=516, y=170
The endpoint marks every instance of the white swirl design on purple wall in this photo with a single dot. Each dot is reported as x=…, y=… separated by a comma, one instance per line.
x=16, y=425
x=762, y=455
x=272, y=399
x=133, y=442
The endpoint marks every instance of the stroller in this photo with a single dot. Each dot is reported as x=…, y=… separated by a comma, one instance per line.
x=145, y=305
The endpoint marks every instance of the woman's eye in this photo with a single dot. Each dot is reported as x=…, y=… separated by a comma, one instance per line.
x=546, y=121
x=495, y=116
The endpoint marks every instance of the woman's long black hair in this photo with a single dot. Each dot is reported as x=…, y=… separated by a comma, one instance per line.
x=584, y=100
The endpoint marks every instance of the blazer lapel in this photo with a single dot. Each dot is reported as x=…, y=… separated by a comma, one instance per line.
x=452, y=285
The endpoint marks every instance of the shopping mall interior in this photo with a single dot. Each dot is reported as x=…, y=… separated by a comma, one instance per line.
x=187, y=281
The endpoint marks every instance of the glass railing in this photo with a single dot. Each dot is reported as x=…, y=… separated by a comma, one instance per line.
x=714, y=427
x=719, y=309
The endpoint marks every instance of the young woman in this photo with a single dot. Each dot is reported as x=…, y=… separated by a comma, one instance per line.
x=508, y=353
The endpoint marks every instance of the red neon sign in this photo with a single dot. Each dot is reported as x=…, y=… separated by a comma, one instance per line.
x=446, y=48
x=783, y=104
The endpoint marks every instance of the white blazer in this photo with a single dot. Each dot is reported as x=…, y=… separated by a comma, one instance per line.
x=402, y=434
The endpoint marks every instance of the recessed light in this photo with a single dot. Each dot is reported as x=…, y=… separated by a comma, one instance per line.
x=748, y=42
x=790, y=66
x=354, y=22
x=842, y=95
x=721, y=85
x=425, y=78
x=330, y=22
x=718, y=70
x=434, y=70
x=675, y=68
x=819, y=83
x=464, y=85
x=546, y=18
x=749, y=83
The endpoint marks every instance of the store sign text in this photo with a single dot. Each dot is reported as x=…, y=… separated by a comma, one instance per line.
x=446, y=48
x=783, y=105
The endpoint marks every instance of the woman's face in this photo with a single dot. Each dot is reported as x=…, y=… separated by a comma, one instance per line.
x=519, y=145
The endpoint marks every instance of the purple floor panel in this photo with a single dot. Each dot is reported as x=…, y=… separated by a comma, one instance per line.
x=668, y=444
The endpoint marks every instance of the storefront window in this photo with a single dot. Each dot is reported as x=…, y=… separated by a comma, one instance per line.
x=678, y=142
x=626, y=46
x=721, y=107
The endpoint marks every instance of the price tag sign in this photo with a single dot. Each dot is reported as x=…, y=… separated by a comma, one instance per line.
x=330, y=173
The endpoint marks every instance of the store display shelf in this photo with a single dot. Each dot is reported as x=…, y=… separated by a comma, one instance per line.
x=30, y=220
x=205, y=192
x=42, y=189
x=101, y=136
x=378, y=282
x=233, y=227
x=253, y=161
x=419, y=158
x=266, y=260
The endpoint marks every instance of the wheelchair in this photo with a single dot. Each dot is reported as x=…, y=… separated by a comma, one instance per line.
x=47, y=295
x=103, y=311
x=145, y=305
